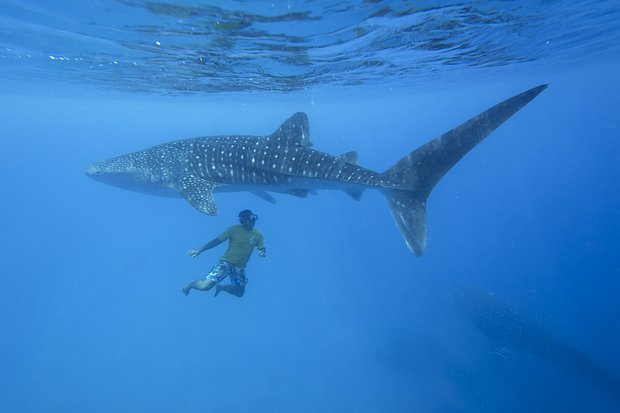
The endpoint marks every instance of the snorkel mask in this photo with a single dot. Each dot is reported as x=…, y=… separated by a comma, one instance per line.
x=249, y=215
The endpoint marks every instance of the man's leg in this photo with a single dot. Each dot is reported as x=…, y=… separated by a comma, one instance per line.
x=203, y=285
x=238, y=280
x=236, y=290
x=217, y=274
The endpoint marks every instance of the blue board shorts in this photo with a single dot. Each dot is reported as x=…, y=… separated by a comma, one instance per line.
x=224, y=269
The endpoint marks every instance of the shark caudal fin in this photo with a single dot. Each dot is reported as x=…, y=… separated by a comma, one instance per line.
x=418, y=172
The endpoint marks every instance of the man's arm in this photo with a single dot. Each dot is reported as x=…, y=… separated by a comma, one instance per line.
x=262, y=251
x=211, y=244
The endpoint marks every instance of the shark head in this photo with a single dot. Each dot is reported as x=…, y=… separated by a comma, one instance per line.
x=118, y=172
x=129, y=172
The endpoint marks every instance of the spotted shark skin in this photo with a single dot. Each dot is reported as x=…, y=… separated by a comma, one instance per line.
x=285, y=162
x=509, y=330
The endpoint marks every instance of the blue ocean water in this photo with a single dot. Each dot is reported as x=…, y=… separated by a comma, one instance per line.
x=340, y=316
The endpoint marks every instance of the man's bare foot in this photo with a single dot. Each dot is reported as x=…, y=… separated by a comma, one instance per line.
x=186, y=289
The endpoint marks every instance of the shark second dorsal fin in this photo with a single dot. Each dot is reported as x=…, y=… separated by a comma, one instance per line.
x=348, y=157
x=198, y=192
x=295, y=131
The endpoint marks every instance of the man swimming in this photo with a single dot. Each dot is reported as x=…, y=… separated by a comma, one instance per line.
x=242, y=239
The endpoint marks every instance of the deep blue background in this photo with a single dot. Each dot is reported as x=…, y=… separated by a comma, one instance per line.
x=340, y=316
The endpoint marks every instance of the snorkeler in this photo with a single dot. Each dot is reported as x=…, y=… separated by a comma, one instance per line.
x=242, y=239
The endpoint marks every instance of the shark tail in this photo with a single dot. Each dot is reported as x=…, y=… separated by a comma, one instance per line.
x=417, y=173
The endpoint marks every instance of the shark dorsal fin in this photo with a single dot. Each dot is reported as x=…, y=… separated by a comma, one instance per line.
x=295, y=131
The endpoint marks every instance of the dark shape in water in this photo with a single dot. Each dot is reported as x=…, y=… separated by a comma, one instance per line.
x=507, y=329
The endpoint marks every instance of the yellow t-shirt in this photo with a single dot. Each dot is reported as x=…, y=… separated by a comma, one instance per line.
x=241, y=243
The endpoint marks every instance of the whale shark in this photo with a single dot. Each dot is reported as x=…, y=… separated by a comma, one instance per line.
x=284, y=162
x=510, y=331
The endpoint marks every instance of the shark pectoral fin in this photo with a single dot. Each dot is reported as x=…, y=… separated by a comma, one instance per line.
x=355, y=193
x=265, y=195
x=198, y=192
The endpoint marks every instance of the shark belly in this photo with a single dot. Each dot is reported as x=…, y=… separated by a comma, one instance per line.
x=292, y=186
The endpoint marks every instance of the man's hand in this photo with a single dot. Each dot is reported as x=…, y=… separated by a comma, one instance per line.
x=193, y=253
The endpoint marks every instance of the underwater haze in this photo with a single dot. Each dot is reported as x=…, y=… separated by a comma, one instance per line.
x=512, y=308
